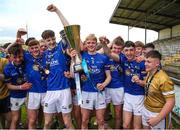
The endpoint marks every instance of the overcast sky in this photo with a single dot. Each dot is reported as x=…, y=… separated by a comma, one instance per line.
x=92, y=15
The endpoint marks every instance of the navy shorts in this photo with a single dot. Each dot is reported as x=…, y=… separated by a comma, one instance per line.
x=5, y=105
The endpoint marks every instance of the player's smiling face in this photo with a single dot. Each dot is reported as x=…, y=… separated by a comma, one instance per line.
x=129, y=53
x=51, y=42
x=35, y=50
x=91, y=45
x=116, y=49
x=17, y=59
x=151, y=64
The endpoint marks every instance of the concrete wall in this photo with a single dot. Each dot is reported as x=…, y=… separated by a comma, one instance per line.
x=166, y=33
x=176, y=31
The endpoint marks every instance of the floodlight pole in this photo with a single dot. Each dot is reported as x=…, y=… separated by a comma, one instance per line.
x=145, y=29
x=27, y=30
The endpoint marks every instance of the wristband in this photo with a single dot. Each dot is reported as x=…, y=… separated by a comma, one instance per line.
x=19, y=87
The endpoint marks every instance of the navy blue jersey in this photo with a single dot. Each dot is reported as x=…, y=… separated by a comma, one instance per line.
x=16, y=76
x=64, y=44
x=97, y=65
x=131, y=68
x=72, y=83
x=35, y=74
x=56, y=62
x=116, y=74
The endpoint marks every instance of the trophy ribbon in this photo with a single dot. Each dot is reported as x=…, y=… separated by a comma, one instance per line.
x=78, y=88
x=86, y=71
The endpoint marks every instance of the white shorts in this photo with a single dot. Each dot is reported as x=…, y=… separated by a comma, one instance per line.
x=58, y=101
x=133, y=103
x=114, y=95
x=16, y=103
x=35, y=100
x=91, y=100
x=75, y=100
x=163, y=124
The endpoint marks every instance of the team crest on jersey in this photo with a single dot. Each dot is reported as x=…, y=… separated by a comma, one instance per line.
x=64, y=107
x=92, y=60
x=16, y=104
x=128, y=72
x=19, y=80
x=119, y=69
x=83, y=77
x=112, y=67
x=87, y=101
x=35, y=67
x=46, y=104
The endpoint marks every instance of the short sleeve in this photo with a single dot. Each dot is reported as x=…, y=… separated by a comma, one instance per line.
x=167, y=89
x=7, y=76
x=4, y=61
x=107, y=63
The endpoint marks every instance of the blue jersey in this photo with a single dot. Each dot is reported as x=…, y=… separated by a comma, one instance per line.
x=64, y=44
x=131, y=68
x=34, y=71
x=71, y=81
x=97, y=65
x=116, y=74
x=56, y=62
x=16, y=76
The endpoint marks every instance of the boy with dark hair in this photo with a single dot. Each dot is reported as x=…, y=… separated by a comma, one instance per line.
x=134, y=93
x=37, y=76
x=28, y=40
x=154, y=54
x=148, y=47
x=16, y=81
x=115, y=90
x=159, y=94
x=32, y=63
x=57, y=83
x=47, y=33
x=56, y=65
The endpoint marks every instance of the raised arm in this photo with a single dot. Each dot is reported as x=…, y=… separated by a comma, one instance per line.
x=107, y=50
x=109, y=45
x=21, y=32
x=53, y=8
